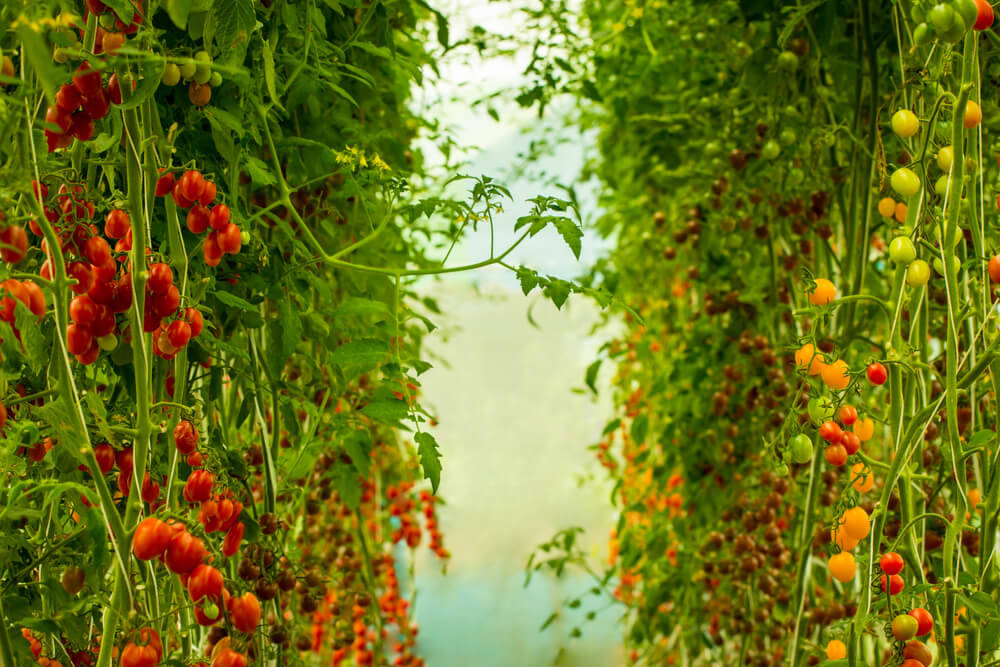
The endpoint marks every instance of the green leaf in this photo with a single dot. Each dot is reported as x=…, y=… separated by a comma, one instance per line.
x=178, y=10
x=611, y=426
x=640, y=426
x=552, y=617
x=981, y=603
x=259, y=172
x=388, y=412
x=430, y=458
x=291, y=326
x=528, y=279
x=359, y=306
x=269, y=74
x=558, y=291
x=572, y=234
x=591, y=377
x=345, y=479
x=368, y=352
x=980, y=438
x=358, y=446
x=229, y=299
x=38, y=54
x=35, y=349
x=304, y=461
x=233, y=21
x=123, y=9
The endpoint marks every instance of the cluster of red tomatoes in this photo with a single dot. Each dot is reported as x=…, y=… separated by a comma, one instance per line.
x=78, y=105
x=80, y=658
x=192, y=191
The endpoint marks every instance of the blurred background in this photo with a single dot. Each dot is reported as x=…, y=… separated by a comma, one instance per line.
x=513, y=434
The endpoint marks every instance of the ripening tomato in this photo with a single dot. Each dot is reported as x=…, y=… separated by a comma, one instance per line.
x=896, y=584
x=891, y=563
x=904, y=627
x=836, y=650
x=823, y=293
x=219, y=218
x=230, y=239
x=835, y=455
x=198, y=219
x=192, y=184
x=151, y=539
x=843, y=541
x=199, y=94
x=984, y=15
x=916, y=651
x=179, y=333
x=886, y=207
x=830, y=432
x=245, y=612
x=877, y=374
x=184, y=553
x=198, y=486
x=994, y=265
x=842, y=566
x=973, y=115
x=905, y=123
x=925, y=622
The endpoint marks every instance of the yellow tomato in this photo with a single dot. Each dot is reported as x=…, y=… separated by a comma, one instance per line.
x=836, y=650
x=973, y=115
x=864, y=429
x=809, y=357
x=855, y=522
x=824, y=293
x=886, y=207
x=842, y=567
x=863, y=478
x=900, y=212
x=842, y=539
x=835, y=375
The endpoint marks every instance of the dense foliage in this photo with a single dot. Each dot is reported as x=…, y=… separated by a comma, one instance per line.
x=803, y=200
x=210, y=338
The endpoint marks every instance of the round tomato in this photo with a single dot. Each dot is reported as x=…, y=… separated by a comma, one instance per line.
x=905, y=182
x=918, y=273
x=835, y=455
x=229, y=658
x=842, y=566
x=904, y=627
x=134, y=655
x=877, y=373
x=824, y=292
x=902, y=250
x=896, y=584
x=925, y=622
x=800, y=448
x=891, y=563
x=830, y=432
x=905, y=123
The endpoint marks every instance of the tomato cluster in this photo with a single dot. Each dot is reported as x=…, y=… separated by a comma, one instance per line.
x=192, y=191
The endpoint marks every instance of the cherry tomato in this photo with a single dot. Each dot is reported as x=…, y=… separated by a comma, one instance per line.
x=184, y=553
x=823, y=293
x=842, y=566
x=851, y=442
x=185, y=437
x=877, y=374
x=245, y=613
x=891, y=563
x=896, y=584
x=905, y=182
x=925, y=622
x=835, y=455
x=830, y=432
x=904, y=627
x=847, y=415
x=151, y=539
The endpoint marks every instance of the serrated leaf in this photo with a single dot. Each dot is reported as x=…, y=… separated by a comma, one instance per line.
x=558, y=291
x=640, y=427
x=366, y=352
x=572, y=234
x=178, y=11
x=359, y=306
x=430, y=458
x=358, y=447
x=528, y=279
x=259, y=172
x=388, y=412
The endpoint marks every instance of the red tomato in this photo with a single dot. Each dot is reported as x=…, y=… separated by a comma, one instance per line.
x=117, y=224
x=835, y=455
x=847, y=415
x=161, y=277
x=151, y=638
x=84, y=276
x=208, y=194
x=87, y=80
x=179, y=333
x=198, y=219
x=151, y=539
x=198, y=486
x=105, y=456
x=15, y=244
x=851, y=442
x=138, y=656
x=83, y=310
x=205, y=582
x=97, y=251
x=231, y=543
x=78, y=339
x=211, y=250
x=208, y=516
x=896, y=584
x=229, y=658
x=230, y=240
x=165, y=184
x=167, y=304
x=68, y=98
x=194, y=318
x=185, y=437
x=192, y=184
x=984, y=15
x=925, y=622
x=877, y=373
x=830, y=432
x=184, y=553
x=891, y=563
x=244, y=613
x=220, y=217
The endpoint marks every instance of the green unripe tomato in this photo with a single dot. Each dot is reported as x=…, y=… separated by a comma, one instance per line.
x=107, y=20
x=216, y=79
x=211, y=611
x=203, y=75
x=905, y=182
x=60, y=55
x=820, y=410
x=771, y=150
x=781, y=470
x=939, y=266
x=800, y=449
x=968, y=10
x=904, y=627
x=108, y=343
x=902, y=250
x=905, y=123
x=945, y=157
x=188, y=71
x=941, y=17
x=922, y=34
x=787, y=137
x=796, y=177
x=171, y=75
x=918, y=273
x=788, y=61
x=727, y=225
x=941, y=186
